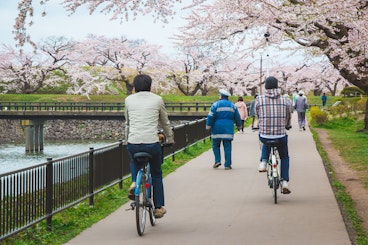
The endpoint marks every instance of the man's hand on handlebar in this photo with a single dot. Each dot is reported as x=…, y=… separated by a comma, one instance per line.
x=161, y=138
x=163, y=141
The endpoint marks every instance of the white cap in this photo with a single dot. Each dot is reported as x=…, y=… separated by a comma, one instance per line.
x=301, y=92
x=224, y=92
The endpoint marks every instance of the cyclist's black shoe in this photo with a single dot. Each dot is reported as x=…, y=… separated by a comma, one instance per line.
x=216, y=165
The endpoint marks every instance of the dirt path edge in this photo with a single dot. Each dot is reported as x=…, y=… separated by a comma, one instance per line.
x=349, y=178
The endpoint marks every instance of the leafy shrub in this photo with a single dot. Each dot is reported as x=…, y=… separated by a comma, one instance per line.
x=351, y=91
x=317, y=115
x=361, y=105
x=339, y=109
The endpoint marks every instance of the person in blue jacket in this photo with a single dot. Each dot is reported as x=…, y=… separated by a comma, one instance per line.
x=220, y=120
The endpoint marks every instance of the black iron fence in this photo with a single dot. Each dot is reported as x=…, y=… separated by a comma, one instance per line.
x=33, y=194
x=94, y=106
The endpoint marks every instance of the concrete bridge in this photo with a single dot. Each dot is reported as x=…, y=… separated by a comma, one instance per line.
x=93, y=111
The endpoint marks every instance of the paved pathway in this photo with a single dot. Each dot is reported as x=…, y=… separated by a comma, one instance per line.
x=214, y=206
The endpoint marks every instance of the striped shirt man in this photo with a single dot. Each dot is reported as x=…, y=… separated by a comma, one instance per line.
x=273, y=111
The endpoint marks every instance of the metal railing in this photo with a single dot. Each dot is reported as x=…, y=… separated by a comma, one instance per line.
x=94, y=106
x=33, y=194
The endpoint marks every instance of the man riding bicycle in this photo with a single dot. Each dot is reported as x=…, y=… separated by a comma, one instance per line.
x=274, y=113
x=144, y=112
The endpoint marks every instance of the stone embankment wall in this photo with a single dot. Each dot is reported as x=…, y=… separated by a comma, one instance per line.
x=11, y=131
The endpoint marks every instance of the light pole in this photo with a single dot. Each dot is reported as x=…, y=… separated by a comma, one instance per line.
x=266, y=35
x=260, y=76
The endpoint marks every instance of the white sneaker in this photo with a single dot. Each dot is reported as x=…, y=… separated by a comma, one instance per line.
x=285, y=187
x=262, y=166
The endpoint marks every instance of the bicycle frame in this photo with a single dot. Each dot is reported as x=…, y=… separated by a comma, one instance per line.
x=274, y=162
x=146, y=171
x=273, y=169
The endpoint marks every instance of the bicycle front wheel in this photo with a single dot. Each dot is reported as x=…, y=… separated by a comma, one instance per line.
x=275, y=185
x=140, y=207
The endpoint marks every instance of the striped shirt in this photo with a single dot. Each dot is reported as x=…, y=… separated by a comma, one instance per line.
x=272, y=111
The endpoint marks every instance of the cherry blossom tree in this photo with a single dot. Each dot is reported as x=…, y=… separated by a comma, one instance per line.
x=119, y=59
x=51, y=65
x=334, y=28
x=195, y=69
x=28, y=72
x=123, y=10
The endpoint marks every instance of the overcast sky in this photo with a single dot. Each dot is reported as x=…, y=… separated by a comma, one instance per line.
x=79, y=25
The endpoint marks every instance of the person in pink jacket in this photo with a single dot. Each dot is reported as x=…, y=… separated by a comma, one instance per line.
x=243, y=111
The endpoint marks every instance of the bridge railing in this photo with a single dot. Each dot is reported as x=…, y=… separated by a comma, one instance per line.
x=94, y=106
x=33, y=194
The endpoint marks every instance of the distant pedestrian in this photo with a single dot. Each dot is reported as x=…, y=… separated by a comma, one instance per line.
x=295, y=95
x=301, y=105
x=324, y=99
x=220, y=120
x=243, y=111
x=252, y=112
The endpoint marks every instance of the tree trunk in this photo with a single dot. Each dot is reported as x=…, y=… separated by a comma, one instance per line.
x=366, y=116
x=129, y=87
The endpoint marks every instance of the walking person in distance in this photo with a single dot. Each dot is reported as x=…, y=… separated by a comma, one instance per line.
x=324, y=99
x=252, y=112
x=220, y=120
x=243, y=111
x=301, y=105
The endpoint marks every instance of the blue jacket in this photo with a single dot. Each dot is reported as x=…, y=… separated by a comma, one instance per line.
x=221, y=118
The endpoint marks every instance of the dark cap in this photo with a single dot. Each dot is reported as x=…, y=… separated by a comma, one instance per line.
x=271, y=82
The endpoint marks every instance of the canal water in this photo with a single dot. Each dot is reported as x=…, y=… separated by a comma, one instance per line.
x=14, y=156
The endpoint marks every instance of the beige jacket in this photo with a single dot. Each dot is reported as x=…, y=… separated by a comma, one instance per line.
x=144, y=112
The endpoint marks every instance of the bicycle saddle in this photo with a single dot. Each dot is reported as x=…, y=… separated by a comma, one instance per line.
x=142, y=157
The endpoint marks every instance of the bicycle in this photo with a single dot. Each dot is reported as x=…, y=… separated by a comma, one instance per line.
x=143, y=203
x=274, y=179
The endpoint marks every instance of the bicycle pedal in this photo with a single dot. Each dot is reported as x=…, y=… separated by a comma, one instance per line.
x=132, y=206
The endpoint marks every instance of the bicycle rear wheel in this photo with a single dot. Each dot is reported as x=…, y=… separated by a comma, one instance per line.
x=140, y=207
x=151, y=214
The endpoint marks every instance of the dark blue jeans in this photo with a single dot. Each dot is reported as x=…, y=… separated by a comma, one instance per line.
x=156, y=172
x=216, y=143
x=282, y=148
